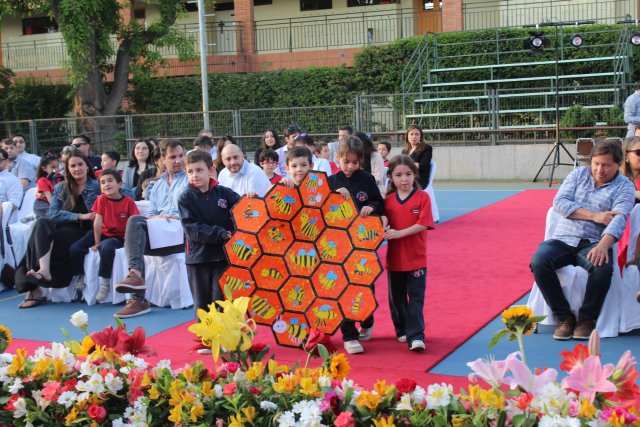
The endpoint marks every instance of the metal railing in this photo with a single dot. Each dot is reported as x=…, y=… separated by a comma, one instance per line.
x=356, y=29
x=516, y=13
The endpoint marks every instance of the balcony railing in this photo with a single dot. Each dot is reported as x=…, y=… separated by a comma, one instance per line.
x=516, y=13
x=356, y=29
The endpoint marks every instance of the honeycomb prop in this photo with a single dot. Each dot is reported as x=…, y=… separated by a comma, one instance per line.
x=305, y=259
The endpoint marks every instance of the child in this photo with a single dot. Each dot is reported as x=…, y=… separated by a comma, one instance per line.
x=322, y=150
x=298, y=164
x=108, y=160
x=353, y=182
x=269, y=163
x=47, y=170
x=384, y=148
x=205, y=213
x=317, y=163
x=409, y=213
x=112, y=212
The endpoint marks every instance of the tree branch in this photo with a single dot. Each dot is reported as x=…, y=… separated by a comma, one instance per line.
x=120, y=78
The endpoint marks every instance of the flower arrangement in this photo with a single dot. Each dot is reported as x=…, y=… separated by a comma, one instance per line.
x=102, y=380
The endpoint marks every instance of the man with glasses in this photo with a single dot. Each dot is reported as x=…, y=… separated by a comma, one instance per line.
x=290, y=134
x=21, y=144
x=20, y=168
x=83, y=144
x=10, y=187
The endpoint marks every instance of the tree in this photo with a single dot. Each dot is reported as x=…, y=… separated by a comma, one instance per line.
x=95, y=31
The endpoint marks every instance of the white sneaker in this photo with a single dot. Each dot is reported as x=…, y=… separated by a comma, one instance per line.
x=365, y=334
x=103, y=293
x=204, y=351
x=353, y=347
x=403, y=338
x=417, y=345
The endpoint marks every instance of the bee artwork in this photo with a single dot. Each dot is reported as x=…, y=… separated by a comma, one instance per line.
x=304, y=258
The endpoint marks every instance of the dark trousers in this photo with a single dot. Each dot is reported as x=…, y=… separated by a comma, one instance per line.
x=203, y=282
x=107, y=249
x=348, y=327
x=406, y=302
x=554, y=254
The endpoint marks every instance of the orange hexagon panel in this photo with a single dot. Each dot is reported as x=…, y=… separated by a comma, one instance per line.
x=334, y=245
x=329, y=280
x=297, y=294
x=242, y=249
x=270, y=272
x=283, y=202
x=325, y=315
x=338, y=211
x=238, y=281
x=363, y=267
x=314, y=189
x=275, y=237
x=291, y=329
x=250, y=214
x=358, y=303
x=302, y=258
x=308, y=224
x=264, y=307
x=367, y=233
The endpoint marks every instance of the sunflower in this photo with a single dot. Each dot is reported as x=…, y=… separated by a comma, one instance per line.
x=519, y=316
x=5, y=338
x=339, y=366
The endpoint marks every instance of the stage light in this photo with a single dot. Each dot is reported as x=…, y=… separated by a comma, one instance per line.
x=537, y=41
x=577, y=40
x=635, y=38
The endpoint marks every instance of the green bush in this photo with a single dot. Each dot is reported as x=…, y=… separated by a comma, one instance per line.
x=614, y=116
x=33, y=99
x=577, y=116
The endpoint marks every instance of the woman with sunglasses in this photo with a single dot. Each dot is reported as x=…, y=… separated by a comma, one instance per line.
x=631, y=162
x=47, y=263
x=269, y=141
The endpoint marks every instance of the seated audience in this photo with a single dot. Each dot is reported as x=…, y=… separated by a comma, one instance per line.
x=10, y=187
x=240, y=175
x=269, y=141
x=83, y=143
x=269, y=162
x=108, y=160
x=218, y=165
x=21, y=146
x=47, y=170
x=20, y=168
x=317, y=164
x=140, y=160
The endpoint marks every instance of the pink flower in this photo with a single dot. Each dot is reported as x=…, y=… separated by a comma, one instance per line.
x=523, y=377
x=229, y=389
x=230, y=367
x=345, y=419
x=618, y=416
x=96, y=412
x=590, y=378
x=51, y=390
x=492, y=371
x=254, y=390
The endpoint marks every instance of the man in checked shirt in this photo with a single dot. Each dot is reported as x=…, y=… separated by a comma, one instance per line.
x=594, y=203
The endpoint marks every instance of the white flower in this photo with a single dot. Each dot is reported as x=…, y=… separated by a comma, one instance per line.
x=558, y=421
x=310, y=414
x=16, y=386
x=80, y=319
x=67, y=399
x=418, y=394
x=405, y=403
x=118, y=423
x=6, y=359
x=288, y=419
x=218, y=390
x=4, y=378
x=324, y=381
x=20, y=408
x=439, y=395
x=92, y=385
x=40, y=401
x=268, y=406
x=113, y=383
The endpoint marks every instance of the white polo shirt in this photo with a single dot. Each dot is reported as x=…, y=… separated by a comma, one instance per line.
x=250, y=178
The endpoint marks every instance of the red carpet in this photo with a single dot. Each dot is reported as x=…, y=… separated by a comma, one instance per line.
x=478, y=266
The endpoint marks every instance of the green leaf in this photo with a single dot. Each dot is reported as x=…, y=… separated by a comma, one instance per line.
x=323, y=352
x=497, y=337
x=65, y=333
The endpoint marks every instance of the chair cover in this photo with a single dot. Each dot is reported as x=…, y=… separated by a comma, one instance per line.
x=629, y=307
x=435, y=212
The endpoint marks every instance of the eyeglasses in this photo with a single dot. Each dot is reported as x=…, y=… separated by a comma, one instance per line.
x=636, y=151
x=300, y=135
x=79, y=144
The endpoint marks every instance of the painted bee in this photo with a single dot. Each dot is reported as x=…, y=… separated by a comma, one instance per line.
x=355, y=303
x=361, y=268
x=342, y=211
x=328, y=281
x=315, y=200
x=275, y=235
x=250, y=213
x=364, y=234
x=242, y=250
x=297, y=333
x=304, y=259
x=328, y=250
x=236, y=284
x=271, y=272
x=296, y=296
x=309, y=228
x=323, y=314
x=260, y=307
x=313, y=182
x=283, y=203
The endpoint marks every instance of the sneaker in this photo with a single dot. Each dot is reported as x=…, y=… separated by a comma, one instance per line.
x=103, y=293
x=134, y=307
x=353, y=347
x=564, y=328
x=131, y=283
x=402, y=338
x=417, y=345
x=583, y=329
x=365, y=334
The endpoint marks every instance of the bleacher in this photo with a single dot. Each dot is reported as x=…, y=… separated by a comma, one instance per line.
x=500, y=84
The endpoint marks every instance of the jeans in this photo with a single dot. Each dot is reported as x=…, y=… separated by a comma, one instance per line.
x=554, y=254
x=406, y=302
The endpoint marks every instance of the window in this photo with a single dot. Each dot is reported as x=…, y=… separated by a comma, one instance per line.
x=190, y=6
x=262, y=2
x=356, y=3
x=140, y=14
x=432, y=4
x=219, y=7
x=40, y=25
x=315, y=4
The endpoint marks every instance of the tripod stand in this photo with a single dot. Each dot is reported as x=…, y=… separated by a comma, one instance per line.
x=555, y=152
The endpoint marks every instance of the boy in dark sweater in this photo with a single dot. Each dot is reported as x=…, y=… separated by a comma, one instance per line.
x=353, y=182
x=205, y=213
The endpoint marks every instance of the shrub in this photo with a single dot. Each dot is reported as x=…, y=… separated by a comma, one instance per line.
x=577, y=116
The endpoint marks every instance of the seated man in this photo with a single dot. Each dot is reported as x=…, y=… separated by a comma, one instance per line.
x=10, y=187
x=163, y=203
x=83, y=143
x=594, y=203
x=20, y=168
x=240, y=175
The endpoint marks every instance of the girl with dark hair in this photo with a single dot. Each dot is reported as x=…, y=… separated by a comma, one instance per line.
x=47, y=262
x=223, y=141
x=139, y=161
x=269, y=141
x=44, y=186
x=420, y=152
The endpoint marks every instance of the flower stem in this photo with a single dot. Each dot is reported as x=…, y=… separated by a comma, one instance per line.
x=519, y=334
x=306, y=364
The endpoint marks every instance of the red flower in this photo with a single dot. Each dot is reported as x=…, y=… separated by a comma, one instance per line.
x=574, y=358
x=51, y=390
x=345, y=419
x=315, y=337
x=254, y=390
x=9, y=405
x=135, y=388
x=257, y=347
x=96, y=412
x=134, y=344
x=230, y=367
x=405, y=385
x=524, y=401
x=229, y=389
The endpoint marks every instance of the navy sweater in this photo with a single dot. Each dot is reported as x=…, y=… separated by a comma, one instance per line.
x=206, y=219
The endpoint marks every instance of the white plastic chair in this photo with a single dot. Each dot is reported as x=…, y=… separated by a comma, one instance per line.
x=630, y=286
x=435, y=212
x=20, y=230
x=26, y=208
x=574, y=281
